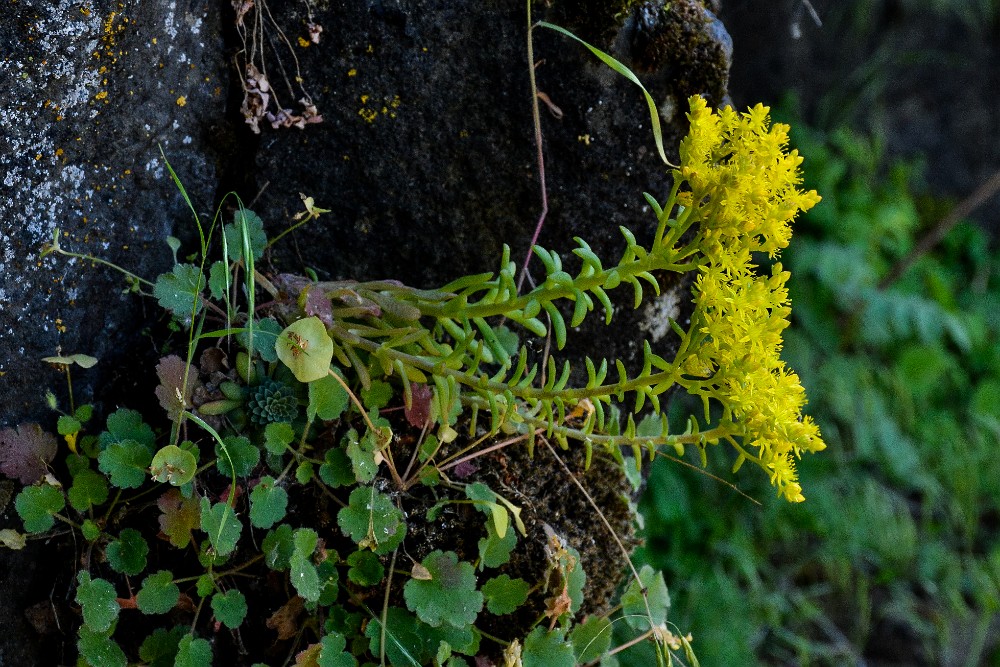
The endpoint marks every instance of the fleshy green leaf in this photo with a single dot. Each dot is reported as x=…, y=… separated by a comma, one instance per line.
x=239, y=454
x=365, y=568
x=98, y=601
x=591, y=639
x=220, y=523
x=327, y=399
x=193, y=652
x=160, y=648
x=633, y=606
x=547, y=649
x=230, y=608
x=99, y=650
x=173, y=465
x=180, y=291
x=372, y=521
x=504, y=595
x=159, y=593
x=205, y=585
x=306, y=348
x=128, y=553
x=449, y=595
x=90, y=530
x=180, y=516
x=267, y=503
x=36, y=506
x=67, y=425
x=304, y=472
x=89, y=489
x=125, y=463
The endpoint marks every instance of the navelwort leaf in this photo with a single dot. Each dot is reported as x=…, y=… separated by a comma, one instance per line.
x=449, y=596
x=173, y=465
x=372, y=521
x=306, y=348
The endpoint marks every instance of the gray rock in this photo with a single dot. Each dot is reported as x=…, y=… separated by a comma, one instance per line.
x=92, y=92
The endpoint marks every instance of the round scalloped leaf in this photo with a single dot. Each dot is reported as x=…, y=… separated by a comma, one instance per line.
x=333, y=653
x=449, y=596
x=219, y=521
x=547, y=649
x=128, y=553
x=98, y=601
x=365, y=568
x=634, y=607
x=89, y=489
x=99, y=650
x=372, y=521
x=193, y=652
x=36, y=506
x=504, y=595
x=125, y=463
x=159, y=593
x=160, y=648
x=267, y=503
x=278, y=547
x=591, y=639
x=230, y=608
x=306, y=348
x=239, y=454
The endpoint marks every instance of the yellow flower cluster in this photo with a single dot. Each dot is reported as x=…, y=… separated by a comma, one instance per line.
x=743, y=195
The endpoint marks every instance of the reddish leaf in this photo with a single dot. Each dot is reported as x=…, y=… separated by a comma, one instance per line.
x=419, y=411
x=180, y=516
x=174, y=395
x=285, y=620
x=25, y=451
x=315, y=302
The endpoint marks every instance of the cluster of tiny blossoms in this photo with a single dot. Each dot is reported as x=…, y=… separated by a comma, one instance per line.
x=742, y=191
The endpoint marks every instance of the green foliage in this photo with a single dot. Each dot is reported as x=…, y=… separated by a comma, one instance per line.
x=125, y=464
x=230, y=608
x=180, y=291
x=158, y=594
x=192, y=652
x=267, y=503
x=303, y=574
x=222, y=526
x=591, y=639
x=173, y=465
x=306, y=348
x=445, y=593
x=547, y=649
x=236, y=456
x=37, y=506
x=128, y=553
x=160, y=648
x=365, y=568
x=89, y=489
x=327, y=398
x=99, y=650
x=372, y=521
x=503, y=595
x=98, y=602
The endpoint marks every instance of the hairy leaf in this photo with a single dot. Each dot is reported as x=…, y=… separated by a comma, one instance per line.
x=220, y=523
x=504, y=595
x=36, y=506
x=334, y=652
x=255, y=233
x=239, y=454
x=336, y=471
x=97, y=600
x=372, y=521
x=128, y=553
x=99, y=650
x=193, y=652
x=180, y=291
x=277, y=437
x=25, y=452
x=365, y=568
x=449, y=596
x=125, y=425
x=327, y=398
x=278, y=547
x=160, y=648
x=125, y=463
x=267, y=503
x=377, y=396
x=303, y=573
x=89, y=489
x=230, y=608
x=159, y=593
x=265, y=336
x=547, y=649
